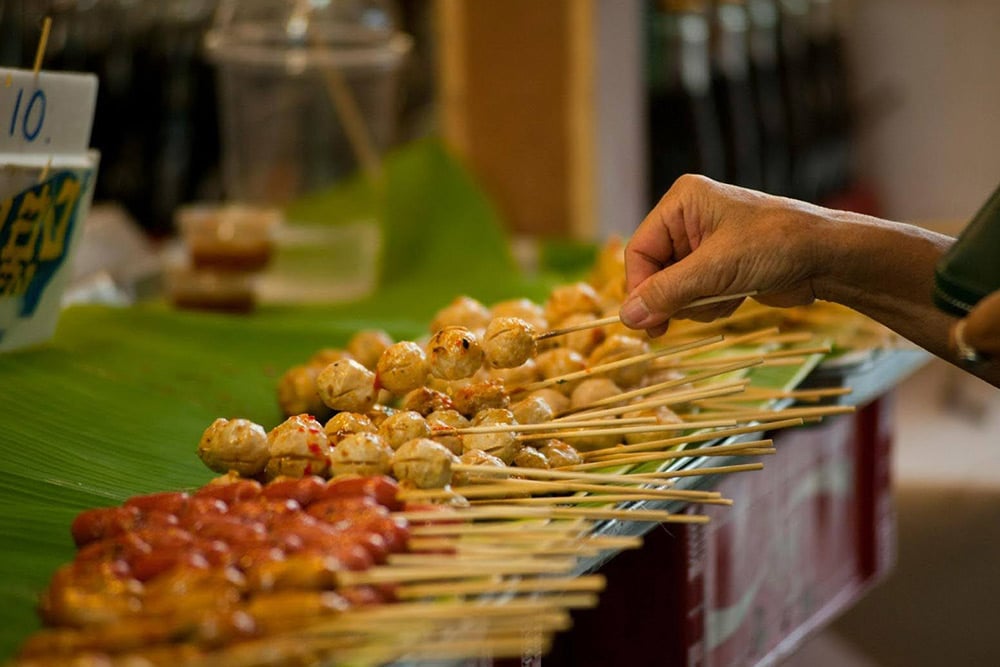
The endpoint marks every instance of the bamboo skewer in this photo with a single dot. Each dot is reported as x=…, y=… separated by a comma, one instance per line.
x=798, y=352
x=656, y=445
x=581, y=423
x=698, y=472
x=515, y=487
x=686, y=396
x=615, y=319
x=753, y=447
x=590, y=583
x=43, y=42
x=769, y=418
x=614, y=365
x=611, y=498
x=566, y=434
x=498, y=512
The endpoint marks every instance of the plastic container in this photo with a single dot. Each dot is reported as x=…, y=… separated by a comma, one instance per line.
x=288, y=75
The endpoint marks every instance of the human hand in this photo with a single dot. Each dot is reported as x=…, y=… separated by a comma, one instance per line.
x=705, y=239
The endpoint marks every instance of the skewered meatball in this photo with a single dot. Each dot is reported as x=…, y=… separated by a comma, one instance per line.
x=618, y=347
x=361, y=454
x=502, y=444
x=532, y=410
x=588, y=443
x=559, y=454
x=426, y=400
x=454, y=353
x=524, y=309
x=297, y=393
x=583, y=341
x=529, y=457
x=592, y=390
x=423, y=464
x=402, y=427
x=477, y=396
x=566, y=300
x=379, y=412
x=297, y=447
x=508, y=342
x=347, y=385
x=367, y=346
x=524, y=374
x=475, y=457
x=560, y=361
x=234, y=444
x=326, y=356
x=465, y=312
x=555, y=398
x=402, y=367
x=344, y=424
x=609, y=266
x=663, y=414
x=441, y=422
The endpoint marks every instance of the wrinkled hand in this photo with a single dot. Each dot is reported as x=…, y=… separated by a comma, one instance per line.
x=706, y=239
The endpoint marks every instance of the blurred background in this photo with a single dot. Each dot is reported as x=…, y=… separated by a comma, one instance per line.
x=575, y=116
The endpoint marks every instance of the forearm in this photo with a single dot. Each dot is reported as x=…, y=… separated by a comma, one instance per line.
x=884, y=270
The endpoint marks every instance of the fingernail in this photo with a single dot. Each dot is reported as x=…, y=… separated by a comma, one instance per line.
x=634, y=312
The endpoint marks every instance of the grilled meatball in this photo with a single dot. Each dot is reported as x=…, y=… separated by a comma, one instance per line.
x=426, y=400
x=344, y=424
x=532, y=410
x=559, y=454
x=347, y=385
x=475, y=457
x=524, y=374
x=502, y=444
x=234, y=444
x=524, y=309
x=618, y=347
x=297, y=393
x=560, y=361
x=362, y=454
x=529, y=457
x=591, y=390
x=297, y=447
x=555, y=398
x=423, y=464
x=454, y=353
x=508, y=342
x=663, y=414
x=477, y=396
x=465, y=312
x=367, y=346
x=402, y=367
x=402, y=427
x=567, y=300
x=441, y=422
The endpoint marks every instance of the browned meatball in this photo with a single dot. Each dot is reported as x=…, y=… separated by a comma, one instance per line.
x=367, y=346
x=454, y=353
x=402, y=367
x=502, y=444
x=558, y=362
x=616, y=348
x=361, y=454
x=532, y=410
x=465, y=312
x=423, y=464
x=234, y=444
x=592, y=390
x=555, y=398
x=402, y=427
x=441, y=423
x=559, y=454
x=529, y=457
x=524, y=309
x=344, y=424
x=347, y=385
x=663, y=415
x=297, y=393
x=426, y=400
x=326, y=356
x=475, y=457
x=567, y=300
x=297, y=447
x=508, y=342
x=524, y=374
x=477, y=396
x=583, y=341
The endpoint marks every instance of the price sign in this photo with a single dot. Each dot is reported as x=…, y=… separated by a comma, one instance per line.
x=50, y=113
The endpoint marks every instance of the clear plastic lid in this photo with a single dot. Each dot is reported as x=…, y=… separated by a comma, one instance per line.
x=307, y=33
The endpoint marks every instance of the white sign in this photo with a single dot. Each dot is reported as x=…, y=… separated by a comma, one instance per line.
x=50, y=113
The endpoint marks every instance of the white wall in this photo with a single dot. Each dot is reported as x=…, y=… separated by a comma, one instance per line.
x=927, y=74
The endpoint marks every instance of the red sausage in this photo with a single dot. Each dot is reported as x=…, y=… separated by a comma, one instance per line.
x=231, y=492
x=96, y=524
x=170, y=502
x=381, y=488
x=302, y=490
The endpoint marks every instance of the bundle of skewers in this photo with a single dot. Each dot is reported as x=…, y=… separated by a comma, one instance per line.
x=429, y=498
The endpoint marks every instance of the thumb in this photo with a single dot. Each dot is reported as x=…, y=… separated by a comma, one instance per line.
x=658, y=297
